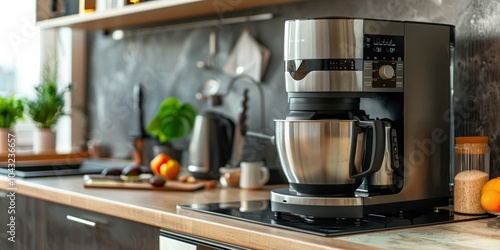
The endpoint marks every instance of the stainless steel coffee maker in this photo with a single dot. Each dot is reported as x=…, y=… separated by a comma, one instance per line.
x=368, y=129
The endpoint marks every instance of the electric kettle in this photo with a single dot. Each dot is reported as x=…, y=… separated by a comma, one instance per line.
x=211, y=145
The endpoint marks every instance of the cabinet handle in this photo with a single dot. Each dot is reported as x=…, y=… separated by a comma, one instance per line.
x=82, y=221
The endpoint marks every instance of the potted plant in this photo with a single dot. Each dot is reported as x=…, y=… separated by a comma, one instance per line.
x=11, y=109
x=174, y=120
x=46, y=109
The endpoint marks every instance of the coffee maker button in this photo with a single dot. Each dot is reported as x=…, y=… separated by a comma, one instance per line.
x=386, y=72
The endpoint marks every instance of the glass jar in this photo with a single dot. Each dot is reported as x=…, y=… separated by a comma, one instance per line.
x=230, y=177
x=472, y=168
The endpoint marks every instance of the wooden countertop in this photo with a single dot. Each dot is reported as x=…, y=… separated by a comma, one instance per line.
x=158, y=208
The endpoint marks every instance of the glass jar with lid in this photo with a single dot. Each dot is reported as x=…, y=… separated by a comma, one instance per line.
x=472, y=168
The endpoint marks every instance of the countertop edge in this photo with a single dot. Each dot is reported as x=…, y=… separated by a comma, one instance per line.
x=235, y=232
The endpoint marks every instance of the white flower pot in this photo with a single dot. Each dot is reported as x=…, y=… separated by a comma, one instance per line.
x=44, y=141
x=4, y=137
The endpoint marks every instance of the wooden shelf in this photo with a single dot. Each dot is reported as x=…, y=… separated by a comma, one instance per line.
x=30, y=157
x=153, y=12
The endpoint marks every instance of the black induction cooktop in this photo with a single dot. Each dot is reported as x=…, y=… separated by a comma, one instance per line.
x=259, y=211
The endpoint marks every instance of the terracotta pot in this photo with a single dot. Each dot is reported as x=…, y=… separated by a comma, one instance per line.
x=4, y=137
x=44, y=141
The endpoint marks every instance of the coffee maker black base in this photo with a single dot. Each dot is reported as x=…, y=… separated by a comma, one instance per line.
x=289, y=201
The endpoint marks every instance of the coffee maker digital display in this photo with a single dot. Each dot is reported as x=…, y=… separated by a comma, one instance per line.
x=379, y=47
x=350, y=144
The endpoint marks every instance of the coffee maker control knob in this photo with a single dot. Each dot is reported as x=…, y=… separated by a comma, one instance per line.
x=386, y=72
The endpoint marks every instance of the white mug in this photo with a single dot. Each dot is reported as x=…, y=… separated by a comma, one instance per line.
x=253, y=175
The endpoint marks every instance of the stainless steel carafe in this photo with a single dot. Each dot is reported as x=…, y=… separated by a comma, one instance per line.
x=383, y=180
x=318, y=156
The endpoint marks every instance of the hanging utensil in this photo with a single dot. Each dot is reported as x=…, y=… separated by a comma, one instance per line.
x=208, y=90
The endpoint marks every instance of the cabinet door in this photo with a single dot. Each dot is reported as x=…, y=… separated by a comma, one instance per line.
x=72, y=228
x=27, y=228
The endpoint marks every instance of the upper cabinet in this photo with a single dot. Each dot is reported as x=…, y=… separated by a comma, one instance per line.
x=147, y=13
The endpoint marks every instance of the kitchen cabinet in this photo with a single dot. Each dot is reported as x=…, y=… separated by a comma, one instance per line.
x=107, y=232
x=29, y=223
x=46, y=225
x=152, y=12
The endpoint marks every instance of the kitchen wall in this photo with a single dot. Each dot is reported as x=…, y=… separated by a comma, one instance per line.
x=166, y=64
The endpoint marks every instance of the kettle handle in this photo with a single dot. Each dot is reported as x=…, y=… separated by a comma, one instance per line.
x=227, y=125
x=377, y=147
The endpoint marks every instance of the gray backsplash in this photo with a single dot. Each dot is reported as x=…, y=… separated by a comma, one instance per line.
x=166, y=64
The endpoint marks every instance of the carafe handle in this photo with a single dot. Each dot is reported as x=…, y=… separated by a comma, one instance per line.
x=378, y=148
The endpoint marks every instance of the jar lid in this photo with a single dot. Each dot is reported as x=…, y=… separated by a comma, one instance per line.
x=471, y=139
x=472, y=145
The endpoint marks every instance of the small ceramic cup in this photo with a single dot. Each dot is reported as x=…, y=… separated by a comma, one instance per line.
x=254, y=175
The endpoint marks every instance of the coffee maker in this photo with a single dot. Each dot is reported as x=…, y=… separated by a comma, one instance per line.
x=369, y=128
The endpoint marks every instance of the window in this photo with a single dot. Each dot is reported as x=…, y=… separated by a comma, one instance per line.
x=23, y=46
x=19, y=58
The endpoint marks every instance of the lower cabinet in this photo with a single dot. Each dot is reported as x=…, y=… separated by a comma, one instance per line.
x=21, y=222
x=45, y=225
x=72, y=228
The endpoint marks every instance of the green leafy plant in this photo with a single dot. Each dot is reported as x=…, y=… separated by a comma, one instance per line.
x=174, y=120
x=48, y=106
x=11, y=109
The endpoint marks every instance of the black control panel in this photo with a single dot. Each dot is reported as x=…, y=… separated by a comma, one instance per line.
x=383, y=64
x=377, y=80
x=383, y=48
x=324, y=65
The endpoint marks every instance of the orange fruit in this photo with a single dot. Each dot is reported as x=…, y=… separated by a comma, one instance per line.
x=490, y=200
x=493, y=184
x=170, y=170
x=158, y=161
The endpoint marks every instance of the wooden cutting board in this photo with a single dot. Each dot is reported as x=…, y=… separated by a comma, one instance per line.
x=97, y=181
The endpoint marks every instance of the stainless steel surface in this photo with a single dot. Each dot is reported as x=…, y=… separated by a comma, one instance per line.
x=384, y=177
x=324, y=39
x=340, y=38
x=199, y=160
x=313, y=39
x=316, y=151
x=211, y=144
x=284, y=196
